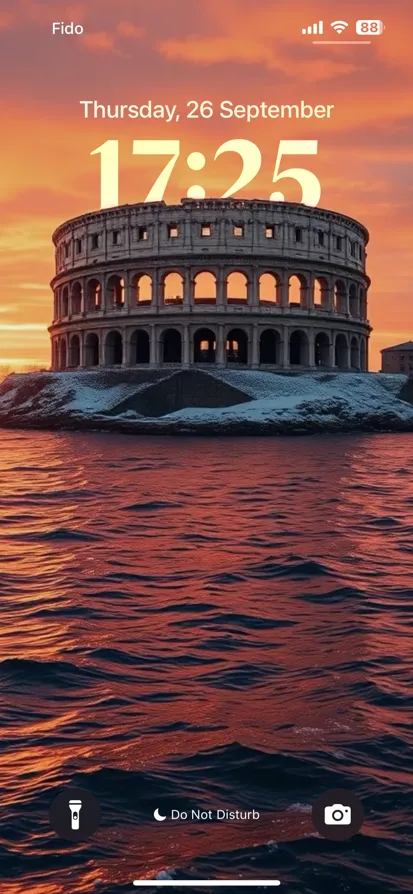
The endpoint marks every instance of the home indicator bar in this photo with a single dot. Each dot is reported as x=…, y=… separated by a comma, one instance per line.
x=207, y=883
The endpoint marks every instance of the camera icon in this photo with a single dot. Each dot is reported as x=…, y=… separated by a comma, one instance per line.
x=337, y=815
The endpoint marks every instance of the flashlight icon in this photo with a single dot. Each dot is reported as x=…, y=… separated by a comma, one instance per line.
x=75, y=808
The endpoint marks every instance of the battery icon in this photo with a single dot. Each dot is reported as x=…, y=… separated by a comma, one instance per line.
x=369, y=26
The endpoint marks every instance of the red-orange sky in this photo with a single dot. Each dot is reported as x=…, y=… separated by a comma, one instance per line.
x=173, y=52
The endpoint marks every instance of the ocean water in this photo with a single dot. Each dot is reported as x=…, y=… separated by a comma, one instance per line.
x=204, y=623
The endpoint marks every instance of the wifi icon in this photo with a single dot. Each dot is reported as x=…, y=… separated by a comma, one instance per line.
x=339, y=26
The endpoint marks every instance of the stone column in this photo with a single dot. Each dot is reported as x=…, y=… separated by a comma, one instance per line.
x=286, y=348
x=153, y=353
x=127, y=289
x=186, y=346
x=331, y=351
x=158, y=288
x=309, y=293
x=155, y=288
x=83, y=297
x=102, y=335
x=220, y=352
x=284, y=291
x=125, y=346
x=311, y=348
x=188, y=289
x=221, y=288
x=253, y=288
x=81, y=349
x=255, y=354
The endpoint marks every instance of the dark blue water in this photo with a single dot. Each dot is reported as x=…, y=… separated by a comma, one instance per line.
x=206, y=623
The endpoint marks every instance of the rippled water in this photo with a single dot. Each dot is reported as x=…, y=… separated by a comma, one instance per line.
x=215, y=623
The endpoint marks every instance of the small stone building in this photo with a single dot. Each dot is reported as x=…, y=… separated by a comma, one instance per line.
x=398, y=359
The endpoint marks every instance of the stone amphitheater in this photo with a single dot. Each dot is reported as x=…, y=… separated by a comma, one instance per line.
x=228, y=283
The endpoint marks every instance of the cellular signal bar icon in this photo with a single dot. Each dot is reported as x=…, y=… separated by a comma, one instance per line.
x=317, y=28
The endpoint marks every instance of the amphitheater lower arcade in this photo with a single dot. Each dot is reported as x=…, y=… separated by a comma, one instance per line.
x=172, y=307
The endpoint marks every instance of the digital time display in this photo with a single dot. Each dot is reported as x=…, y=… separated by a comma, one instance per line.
x=248, y=151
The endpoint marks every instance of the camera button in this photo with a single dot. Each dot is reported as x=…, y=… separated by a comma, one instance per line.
x=338, y=814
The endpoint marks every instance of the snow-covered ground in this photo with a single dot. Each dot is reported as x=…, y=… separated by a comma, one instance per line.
x=275, y=402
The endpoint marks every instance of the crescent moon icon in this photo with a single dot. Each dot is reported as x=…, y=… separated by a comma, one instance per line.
x=158, y=816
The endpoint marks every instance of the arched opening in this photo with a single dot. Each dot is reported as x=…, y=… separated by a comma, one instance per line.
x=92, y=349
x=297, y=291
x=354, y=353
x=76, y=298
x=237, y=288
x=340, y=297
x=341, y=352
x=205, y=288
x=237, y=346
x=204, y=346
x=322, y=349
x=354, y=301
x=113, y=349
x=298, y=349
x=269, y=288
x=321, y=294
x=65, y=301
x=63, y=354
x=142, y=285
x=139, y=347
x=74, y=351
x=93, y=296
x=270, y=346
x=115, y=292
x=173, y=288
x=363, y=355
x=171, y=346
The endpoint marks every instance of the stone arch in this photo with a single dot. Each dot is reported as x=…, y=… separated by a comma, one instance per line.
x=236, y=346
x=299, y=353
x=270, y=346
x=65, y=301
x=63, y=354
x=173, y=287
x=204, y=346
x=322, y=349
x=76, y=298
x=74, y=351
x=171, y=346
x=321, y=293
x=237, y=287
x=113, y=348
x=297, y=290
x=269, y=286
x=354, y=304
x=115, y=291
x=354, y=353
x=143, y=288
x=139, y=347
x=340, y=297
x=92, y=349
x=205, y=287
x=363, y=354
x=341, y=352
x=93, y=296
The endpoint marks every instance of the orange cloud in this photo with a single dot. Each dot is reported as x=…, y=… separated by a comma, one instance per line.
x=99, y=41
x=127, y=29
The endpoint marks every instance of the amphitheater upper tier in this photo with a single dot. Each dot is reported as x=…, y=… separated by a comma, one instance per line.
x=261, y=284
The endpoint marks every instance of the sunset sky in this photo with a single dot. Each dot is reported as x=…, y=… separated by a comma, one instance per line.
x=173, y=52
